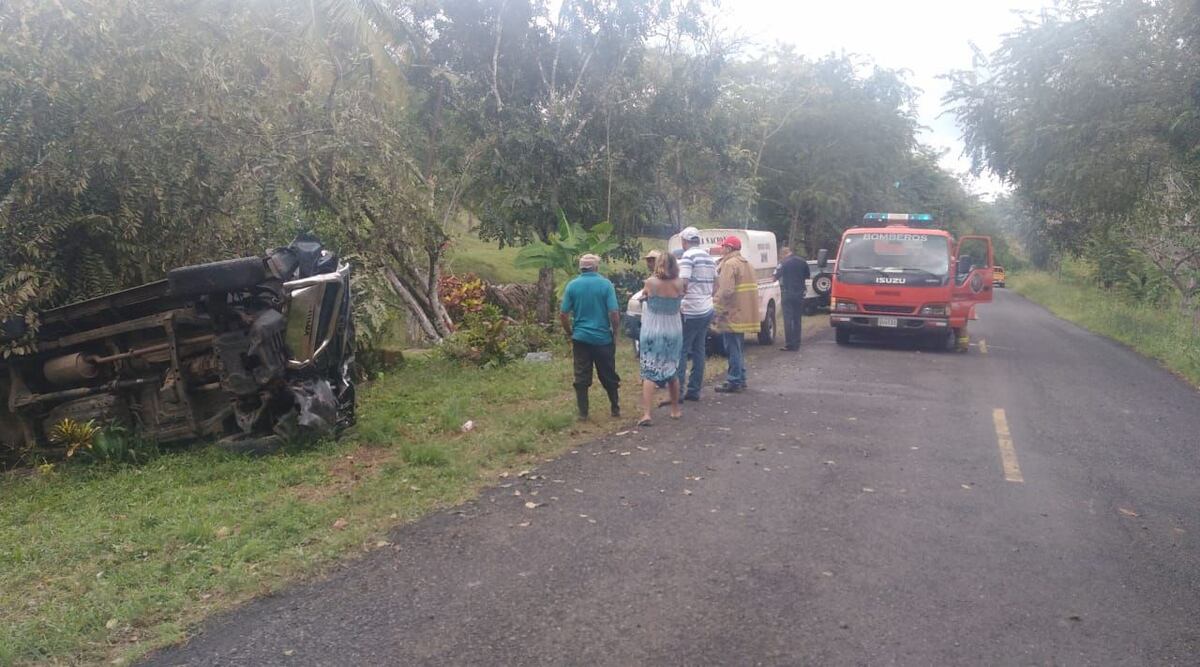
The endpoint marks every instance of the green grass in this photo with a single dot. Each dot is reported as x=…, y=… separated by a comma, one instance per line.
x=1161, y=333
x=102, y=563
x=483, y=258
x=468, y=254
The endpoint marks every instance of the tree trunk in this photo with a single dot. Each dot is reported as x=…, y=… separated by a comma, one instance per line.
x=545, y=295
x=793, y=230
x=414, y=306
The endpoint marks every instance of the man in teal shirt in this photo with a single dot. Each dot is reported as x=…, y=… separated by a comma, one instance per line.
x=590, y=317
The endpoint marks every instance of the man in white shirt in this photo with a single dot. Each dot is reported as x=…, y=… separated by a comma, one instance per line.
x=698, y=269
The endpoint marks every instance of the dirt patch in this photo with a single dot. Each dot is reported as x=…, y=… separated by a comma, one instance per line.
x=346, y=472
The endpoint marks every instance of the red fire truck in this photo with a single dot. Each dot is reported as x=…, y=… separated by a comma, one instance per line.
x=897, y=275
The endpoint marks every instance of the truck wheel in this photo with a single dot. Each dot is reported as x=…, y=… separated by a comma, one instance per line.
x=822, y=284
x=810, y=306
x=842, y=336
x=766, y=331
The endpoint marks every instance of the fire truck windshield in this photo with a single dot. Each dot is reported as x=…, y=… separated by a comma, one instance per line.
x=896, y=252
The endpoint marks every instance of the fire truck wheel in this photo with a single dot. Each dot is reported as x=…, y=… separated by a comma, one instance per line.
x=946, y=342
x=842, y=336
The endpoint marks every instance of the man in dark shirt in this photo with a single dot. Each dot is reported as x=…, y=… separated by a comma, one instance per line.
x=792, y=274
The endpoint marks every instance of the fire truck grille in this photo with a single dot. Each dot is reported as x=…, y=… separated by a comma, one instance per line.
x=882, y=308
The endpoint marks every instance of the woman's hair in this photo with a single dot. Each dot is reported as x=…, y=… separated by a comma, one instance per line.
x=667, y=267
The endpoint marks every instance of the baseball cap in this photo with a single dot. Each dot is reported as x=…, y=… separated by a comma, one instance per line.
x=653, y=254
x=589, y=262
x=733, y=242
x=690, y=234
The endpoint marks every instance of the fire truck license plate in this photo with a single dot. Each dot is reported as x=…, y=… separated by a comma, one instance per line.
x=888, y=322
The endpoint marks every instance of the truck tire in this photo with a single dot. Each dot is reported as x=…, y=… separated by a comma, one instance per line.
x=766, y=330
x=842, y=336
x=810, y=306
x=822, y=284
x=229, y=275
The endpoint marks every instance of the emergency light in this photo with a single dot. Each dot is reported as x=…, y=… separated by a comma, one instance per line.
x=898, y=217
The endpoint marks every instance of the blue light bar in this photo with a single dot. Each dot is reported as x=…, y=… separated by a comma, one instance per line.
x=898, y=217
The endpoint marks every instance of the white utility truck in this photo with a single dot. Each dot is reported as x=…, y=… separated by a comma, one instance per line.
x=760, y=250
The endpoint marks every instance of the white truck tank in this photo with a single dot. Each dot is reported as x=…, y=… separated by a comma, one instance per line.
x=759, y=248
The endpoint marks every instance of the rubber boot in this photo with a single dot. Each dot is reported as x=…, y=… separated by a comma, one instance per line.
x=581, y=402
x=963, y=342
x=614, y=401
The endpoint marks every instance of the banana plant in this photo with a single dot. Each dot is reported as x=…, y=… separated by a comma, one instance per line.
x=563, y=251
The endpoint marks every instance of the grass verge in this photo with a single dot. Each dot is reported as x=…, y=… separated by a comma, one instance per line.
x=106, y=563
x=495, y=265
x=1161, y=333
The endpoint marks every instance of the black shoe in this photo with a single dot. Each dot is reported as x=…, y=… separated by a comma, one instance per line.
x=730, y=388
x=689, y=397
x=788, y=349
x=616, y=412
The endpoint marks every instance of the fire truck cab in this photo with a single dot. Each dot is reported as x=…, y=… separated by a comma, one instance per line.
x=897, y=275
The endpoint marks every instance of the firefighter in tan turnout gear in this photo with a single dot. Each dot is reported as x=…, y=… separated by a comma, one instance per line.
x=735, y=299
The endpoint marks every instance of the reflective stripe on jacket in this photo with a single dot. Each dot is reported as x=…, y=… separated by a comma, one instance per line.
x=736, y=298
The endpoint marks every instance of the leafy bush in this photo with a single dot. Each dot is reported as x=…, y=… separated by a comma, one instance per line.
x=111, y=444
x=562, y=253
x=627, y=283
x=487, y=338
x=462, y=295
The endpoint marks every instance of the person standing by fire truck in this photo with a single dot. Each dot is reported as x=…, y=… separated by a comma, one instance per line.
x=792, y=274
x=735, y=299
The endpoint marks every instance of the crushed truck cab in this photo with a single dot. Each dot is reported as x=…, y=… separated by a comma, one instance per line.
x=897, y=275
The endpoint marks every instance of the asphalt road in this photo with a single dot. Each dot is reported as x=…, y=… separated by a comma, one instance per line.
x=853, y=508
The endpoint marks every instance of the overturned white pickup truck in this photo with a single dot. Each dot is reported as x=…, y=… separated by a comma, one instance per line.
x=760, y=250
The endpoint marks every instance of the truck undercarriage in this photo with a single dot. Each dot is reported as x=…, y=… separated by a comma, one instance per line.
x=253, y=351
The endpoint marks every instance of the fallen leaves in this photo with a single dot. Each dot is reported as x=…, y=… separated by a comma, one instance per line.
x=530, y=505
x=1128, y=512
x=340, y=523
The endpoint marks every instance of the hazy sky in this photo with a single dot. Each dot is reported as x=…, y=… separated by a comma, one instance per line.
x=926, y=37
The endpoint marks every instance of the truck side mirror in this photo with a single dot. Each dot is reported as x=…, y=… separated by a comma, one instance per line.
x=822, y=257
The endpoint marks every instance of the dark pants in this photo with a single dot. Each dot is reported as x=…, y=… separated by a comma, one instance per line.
x=604, y=358
x=695, y=331
x=793, y=310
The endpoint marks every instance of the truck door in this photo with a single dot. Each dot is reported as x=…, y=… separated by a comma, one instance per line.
x=973, y=261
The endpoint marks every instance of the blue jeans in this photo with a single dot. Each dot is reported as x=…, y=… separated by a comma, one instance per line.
x=737, y=362
x=695, y=330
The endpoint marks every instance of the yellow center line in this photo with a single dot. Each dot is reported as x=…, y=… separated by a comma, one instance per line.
x=983, y=346
x=1008, y=455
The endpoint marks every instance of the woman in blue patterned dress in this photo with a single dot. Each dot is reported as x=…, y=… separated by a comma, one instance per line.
x=661, y=340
